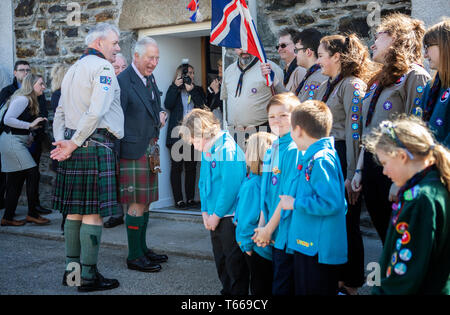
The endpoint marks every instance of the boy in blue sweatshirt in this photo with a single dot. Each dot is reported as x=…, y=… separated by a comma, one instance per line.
x=248, y=216
x=317, y=233
x=277, y=161
x=222, y=171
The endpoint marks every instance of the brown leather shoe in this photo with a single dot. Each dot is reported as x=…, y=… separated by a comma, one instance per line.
x=12, y=222
x=39, y=220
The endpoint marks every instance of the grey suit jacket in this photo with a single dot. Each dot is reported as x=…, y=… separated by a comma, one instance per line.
x=141, y=107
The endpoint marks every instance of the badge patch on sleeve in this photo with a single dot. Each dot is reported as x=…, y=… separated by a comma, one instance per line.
x=105, y=80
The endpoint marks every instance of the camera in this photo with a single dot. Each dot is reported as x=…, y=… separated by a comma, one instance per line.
x=184, y=74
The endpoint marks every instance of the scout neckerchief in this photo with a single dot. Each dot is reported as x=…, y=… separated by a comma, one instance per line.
x=330, y=87
x=288, y=73
x=241, y=78
x=373, y=102
x=310, y=71
x=397, y=209
x=432, y=98
x=92, y=51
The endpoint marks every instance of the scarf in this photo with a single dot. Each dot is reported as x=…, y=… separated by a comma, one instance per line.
x=373, y=102
x=288, y=73
x=92, y=51
x=409, y=184
x=241, y=77
x=432, y=98
x=330, y=87
x=310, y=71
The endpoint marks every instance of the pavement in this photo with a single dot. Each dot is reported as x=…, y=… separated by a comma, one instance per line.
x=170, y=231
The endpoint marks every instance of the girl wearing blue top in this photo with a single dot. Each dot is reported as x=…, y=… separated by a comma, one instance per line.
x=435, y=107
x=317, y=233
x=222, y=171
x=277, y=160
x=248, y=216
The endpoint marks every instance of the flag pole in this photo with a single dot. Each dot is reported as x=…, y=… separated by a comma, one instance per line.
x=225, y=102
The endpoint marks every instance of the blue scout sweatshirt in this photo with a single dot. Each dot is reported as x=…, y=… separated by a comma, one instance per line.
x=275, y=168
x=222, y=171
x=247, y=216
x=440, y=118
x=318, y=219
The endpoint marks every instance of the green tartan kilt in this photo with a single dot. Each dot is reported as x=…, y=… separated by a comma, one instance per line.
x=87, y=183
x=138, y=184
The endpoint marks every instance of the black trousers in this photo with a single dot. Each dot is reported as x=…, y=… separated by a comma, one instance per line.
x=352, y=273
x=283, y=272
x=230, y=261
x=176, y=169
x=14, y=186
x=313, y=278
x=2, y=187
x=261, y=274
x=376, y=188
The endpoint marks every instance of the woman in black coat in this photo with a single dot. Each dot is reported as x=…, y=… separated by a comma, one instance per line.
x=182, y=96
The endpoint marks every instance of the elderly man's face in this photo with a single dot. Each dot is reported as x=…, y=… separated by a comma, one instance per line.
x=109, y=46
x=244, y=57
x=119, y=65
x=147, y=63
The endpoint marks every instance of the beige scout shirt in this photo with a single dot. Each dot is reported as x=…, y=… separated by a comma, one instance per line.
x=90, y=99
x=311, y=87
x=345, y=105
x=401, y=97
x=296, y=77
x=248, y=109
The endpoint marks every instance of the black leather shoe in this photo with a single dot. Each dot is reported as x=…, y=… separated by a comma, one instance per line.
x=99, y=283
x=180, y=205
x=143, y=264
x=155, y=258
x=42, y=210
x=113, y=222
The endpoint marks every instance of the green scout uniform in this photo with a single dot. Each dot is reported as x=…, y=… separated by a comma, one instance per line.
x=416, y=254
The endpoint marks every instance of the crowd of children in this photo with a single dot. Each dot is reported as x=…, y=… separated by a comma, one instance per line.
x=284, y=216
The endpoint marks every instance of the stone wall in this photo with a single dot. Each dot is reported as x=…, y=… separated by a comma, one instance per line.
x=328, y=16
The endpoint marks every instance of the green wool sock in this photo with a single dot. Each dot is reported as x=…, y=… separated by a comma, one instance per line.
x=134, y=228
x=72, y=241
x=144, y=233
x=90, y=236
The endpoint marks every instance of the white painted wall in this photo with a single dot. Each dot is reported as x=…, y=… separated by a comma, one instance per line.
x=172, y=50
x=430, y=11
x=6, y=36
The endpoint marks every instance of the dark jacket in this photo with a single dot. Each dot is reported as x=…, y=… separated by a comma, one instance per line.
x=141, y=109
x=174, y=104
x=9, y=90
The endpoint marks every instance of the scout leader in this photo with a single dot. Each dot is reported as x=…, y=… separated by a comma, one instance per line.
x=416, y=253
x=396, y=89
x=88, y=120
x=306, y=44
x=346, y=61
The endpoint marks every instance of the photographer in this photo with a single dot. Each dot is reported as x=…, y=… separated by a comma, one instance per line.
x=215, y=104
x=182, y=96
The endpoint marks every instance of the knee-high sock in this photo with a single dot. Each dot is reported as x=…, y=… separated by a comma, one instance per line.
x=134, y=228
x=144, y=233
x=90, y=237
x=72, y=241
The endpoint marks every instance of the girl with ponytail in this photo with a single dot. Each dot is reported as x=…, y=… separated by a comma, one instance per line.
x=346, y=61
x=416, y=253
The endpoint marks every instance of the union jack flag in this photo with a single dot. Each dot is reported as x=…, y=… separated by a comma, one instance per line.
x=232, y=26
x=193, y=6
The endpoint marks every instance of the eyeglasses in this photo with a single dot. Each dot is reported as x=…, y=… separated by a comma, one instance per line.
x=428, y=46
x=24, y=70
x=283, y=46
x=296, y=50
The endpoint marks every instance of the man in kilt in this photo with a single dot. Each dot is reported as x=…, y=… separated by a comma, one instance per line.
x=87, y=123
x=141, y=104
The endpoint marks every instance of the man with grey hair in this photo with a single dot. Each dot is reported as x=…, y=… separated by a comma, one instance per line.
x=88, y=121
x=120, y=64
x=139, y=151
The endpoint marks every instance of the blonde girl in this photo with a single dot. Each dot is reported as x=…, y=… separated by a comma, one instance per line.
x=416, y=253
